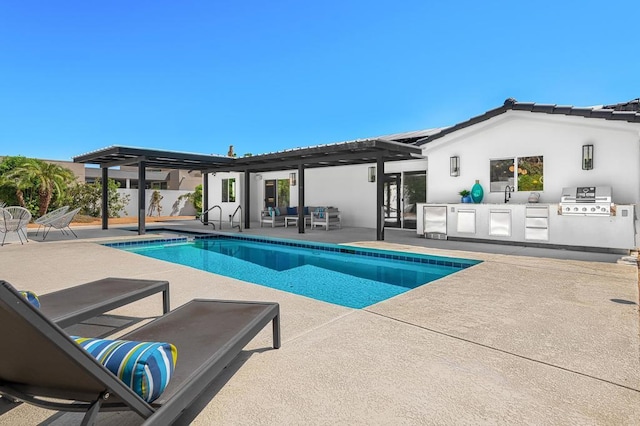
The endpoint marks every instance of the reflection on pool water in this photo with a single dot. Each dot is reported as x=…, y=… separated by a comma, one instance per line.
x=347, y=276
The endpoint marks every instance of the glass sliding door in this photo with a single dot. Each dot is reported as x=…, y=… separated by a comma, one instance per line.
x=392, y=217
x=414, y=191
x=270, y=193
x=276, y=193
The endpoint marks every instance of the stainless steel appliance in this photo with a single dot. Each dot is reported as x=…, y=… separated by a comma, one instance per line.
x=586, y=201
x=435, y=222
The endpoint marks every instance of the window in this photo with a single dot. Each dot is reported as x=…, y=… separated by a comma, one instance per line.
x=527, y=176
x=530, y=176
x=501, y=174
x=228, y=190
x=283, y=192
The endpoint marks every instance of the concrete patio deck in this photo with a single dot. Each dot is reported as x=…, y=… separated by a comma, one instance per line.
x=529, y=336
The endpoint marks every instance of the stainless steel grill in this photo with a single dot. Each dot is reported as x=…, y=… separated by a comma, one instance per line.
x=586, y=201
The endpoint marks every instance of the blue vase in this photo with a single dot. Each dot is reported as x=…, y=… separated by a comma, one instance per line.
x=467, y=199
x=477, y=192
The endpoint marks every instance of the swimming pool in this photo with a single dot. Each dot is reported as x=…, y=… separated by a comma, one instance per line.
x=347, y=276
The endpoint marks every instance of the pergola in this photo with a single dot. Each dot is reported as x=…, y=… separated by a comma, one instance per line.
x=365, y=151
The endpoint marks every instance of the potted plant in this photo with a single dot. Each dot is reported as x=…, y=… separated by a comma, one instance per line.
x=466, y=196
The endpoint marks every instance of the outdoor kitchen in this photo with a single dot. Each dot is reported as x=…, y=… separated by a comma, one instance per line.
x=585, y=217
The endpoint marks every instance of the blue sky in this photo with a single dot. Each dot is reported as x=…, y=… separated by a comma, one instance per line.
x=198, y=76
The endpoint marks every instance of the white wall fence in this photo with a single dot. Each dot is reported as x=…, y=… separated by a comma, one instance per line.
x=170, y=204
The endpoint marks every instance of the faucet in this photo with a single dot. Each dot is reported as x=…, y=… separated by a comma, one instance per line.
x=507, y=193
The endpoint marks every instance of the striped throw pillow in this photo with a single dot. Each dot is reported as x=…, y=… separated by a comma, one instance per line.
x=31, y=298
x=146, y=367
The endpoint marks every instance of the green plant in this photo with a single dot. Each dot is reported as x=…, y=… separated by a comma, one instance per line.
x=34, y=184
x=464, y=192
x=194, y=198
x=88, y=196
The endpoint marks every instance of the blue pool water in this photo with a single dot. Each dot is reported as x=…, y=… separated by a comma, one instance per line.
x=346, y=276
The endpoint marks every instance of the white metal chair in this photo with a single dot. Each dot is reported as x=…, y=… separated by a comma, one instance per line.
x=52, y=215
x=61, y=223
x=14, y=219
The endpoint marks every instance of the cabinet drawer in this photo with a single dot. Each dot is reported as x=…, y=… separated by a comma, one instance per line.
x=536, y=222
x=536, y=234
x=537, y=212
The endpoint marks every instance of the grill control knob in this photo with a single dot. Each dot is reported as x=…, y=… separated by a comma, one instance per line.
x=584, y=209
x=593, y=209
x=575, y=209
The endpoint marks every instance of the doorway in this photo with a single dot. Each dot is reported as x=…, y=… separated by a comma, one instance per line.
x=276, y=193
x=414, y=191
x=391, y=202
x=270, y=193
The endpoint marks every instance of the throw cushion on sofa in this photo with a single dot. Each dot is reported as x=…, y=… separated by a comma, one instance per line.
x=146, y=367
x=292, y=211
x=277, y=211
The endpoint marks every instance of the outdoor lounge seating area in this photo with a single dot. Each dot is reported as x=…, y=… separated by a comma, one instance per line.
x=313, y=216
x=177, y=355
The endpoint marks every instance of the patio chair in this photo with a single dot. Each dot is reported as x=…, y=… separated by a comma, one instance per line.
x=61, y=222
x=43, y=366
x=14, y=219
x=46, y=218
x=326, y=217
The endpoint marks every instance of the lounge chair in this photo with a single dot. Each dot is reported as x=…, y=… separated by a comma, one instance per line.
x=43, y=366
x=61, y=222
x=46, y=218
x=14, y=219
x=75, y=304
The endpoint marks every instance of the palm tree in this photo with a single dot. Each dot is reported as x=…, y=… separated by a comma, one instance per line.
x=51, y=179
x=18, y=182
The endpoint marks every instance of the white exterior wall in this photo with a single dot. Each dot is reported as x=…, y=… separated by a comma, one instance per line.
x=170, y=204
x=514, y=134
x=215, y=196
x=558, y=138
x=344, y=187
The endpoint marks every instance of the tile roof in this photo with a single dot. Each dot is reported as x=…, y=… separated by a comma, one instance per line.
x=626, y=111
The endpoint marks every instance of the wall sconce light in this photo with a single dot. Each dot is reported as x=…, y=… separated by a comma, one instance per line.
x=454, y=166
x=292, y=179
x=372, y=174
x=258, y=176
x=587, y=157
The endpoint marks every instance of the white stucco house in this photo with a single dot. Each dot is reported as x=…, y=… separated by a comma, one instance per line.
x=545, y=174
x=539, y=151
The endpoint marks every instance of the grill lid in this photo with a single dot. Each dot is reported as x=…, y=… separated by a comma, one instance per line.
x=586, y=194
x=586, y=201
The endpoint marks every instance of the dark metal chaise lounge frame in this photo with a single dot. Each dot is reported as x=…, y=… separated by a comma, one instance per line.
x=39, y=361
x=75, y=304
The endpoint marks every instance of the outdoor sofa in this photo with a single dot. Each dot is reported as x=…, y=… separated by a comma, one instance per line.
x=314, y=216
x=41, y=365
x=284, y=216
